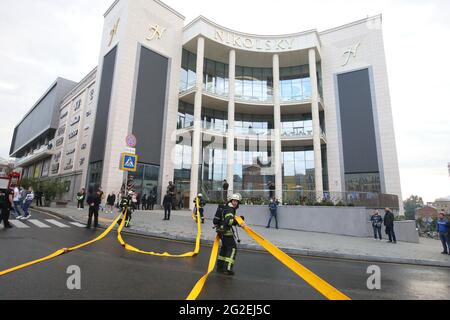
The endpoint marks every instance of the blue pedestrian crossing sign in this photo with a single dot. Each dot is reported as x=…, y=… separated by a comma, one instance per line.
x=129, y=162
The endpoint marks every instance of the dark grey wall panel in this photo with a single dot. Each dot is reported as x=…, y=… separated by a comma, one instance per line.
x=104, y=99
x=150, y=104
x=42, y=117
x=357, y=122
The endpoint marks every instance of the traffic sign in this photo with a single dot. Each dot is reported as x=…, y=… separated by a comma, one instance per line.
x=129, y=162
x=131, y=141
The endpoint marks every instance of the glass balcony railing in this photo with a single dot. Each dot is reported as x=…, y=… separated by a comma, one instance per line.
x=256, y=99
x=257, y=132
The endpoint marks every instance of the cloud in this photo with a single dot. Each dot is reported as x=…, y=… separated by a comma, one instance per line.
x=44, y=39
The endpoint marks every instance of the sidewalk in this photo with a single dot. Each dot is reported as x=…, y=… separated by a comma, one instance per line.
x=182, y=227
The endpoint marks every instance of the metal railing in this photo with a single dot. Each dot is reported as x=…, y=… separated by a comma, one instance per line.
x=312, y=198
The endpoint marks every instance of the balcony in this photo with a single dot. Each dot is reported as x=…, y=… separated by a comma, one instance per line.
x=39, y=154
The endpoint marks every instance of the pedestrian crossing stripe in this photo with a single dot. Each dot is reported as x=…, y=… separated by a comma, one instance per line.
x=57, y=223
x=39, y=224
x=18, y=224
x=76, y=224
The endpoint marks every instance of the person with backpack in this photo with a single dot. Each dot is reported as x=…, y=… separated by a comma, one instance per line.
x=126, y=204
x=202, y=204
x=273, y=208
x=224, y=221
x=377, y=223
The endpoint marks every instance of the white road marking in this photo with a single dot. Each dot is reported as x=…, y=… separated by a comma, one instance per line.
x=57, y=223
x=78, y=224
x=39, y=224
x=18, y=224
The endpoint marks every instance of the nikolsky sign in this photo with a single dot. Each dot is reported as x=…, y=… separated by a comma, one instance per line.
x=259, y=44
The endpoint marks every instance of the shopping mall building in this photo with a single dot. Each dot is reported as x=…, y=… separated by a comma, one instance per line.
x=307, y=111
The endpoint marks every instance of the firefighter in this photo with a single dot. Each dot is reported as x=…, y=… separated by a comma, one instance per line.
x=202, y=203
x=125, y=204
x=6, y=200
x=224, y=222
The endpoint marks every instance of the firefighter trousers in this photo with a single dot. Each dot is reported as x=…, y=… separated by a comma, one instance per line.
x=227, y=254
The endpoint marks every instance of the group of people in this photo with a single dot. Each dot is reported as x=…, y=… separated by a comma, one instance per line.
x=388, y=221
x=17, y=200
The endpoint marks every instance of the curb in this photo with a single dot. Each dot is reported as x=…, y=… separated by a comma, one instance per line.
x=292, y=251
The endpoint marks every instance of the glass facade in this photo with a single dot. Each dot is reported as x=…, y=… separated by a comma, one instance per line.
x=296, y=125
x=295, y=83
x=188, y=71
x=185, y=115
x=215, y=77
x=253, y=124
x=215, y=120
x=298, y=168
x=145, y=179
x=214, y=169
x=363, y=182
x=252, y=170
x=254, y=84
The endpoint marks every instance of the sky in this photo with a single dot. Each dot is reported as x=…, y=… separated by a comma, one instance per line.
x=45, y=39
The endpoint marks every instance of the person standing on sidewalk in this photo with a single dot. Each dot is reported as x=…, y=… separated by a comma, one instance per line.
x=111, y=200
x=273, y=208
x=225, y=188
x=377, y=223
x=29, y=197
x=80, y=199
x=167, y=204
x=93, y=200
x=39, y=195
x=443, y=229
x=389, y=223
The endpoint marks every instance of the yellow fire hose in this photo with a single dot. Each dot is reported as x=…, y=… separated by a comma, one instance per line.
x=165, y=254
x=62, y=251
x=312, y=279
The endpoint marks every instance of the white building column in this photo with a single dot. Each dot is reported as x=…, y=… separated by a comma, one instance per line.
x=197, y=141
x=276, y=151
x=316, y=123
x=231, y=116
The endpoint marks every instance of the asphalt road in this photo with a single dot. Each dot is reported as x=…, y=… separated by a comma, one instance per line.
x=110, y=272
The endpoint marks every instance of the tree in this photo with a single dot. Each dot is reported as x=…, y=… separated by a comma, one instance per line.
x=410, y=205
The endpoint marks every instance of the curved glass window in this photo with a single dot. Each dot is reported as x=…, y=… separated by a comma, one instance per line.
x=215, y=120
x=185, y=117
x=188, y=71
x=295, y=83
x=215, y=77
x=254, y=84
x=253, y=124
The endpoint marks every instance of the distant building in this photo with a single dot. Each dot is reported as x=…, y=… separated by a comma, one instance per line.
x=426, y=212
x=442, y=205
x=5, y=167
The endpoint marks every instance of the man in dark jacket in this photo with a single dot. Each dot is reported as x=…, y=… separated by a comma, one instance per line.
x=201, y=208
x=6, y=200
x=377, y=222
x=93, y=201
x=273, y=208
x=167, y=204
x=389, y=223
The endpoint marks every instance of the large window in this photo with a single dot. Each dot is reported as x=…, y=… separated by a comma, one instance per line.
x=298, y=168
x=254, y=84
x=188, y=71
x=297, y=125
x=295, y=83
x=215, y=120
x=363, y=182
x=214, y=169
x=252, y=170
x=185, y=115
x=146, y=179
x=215, y=77
x=248, y=124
